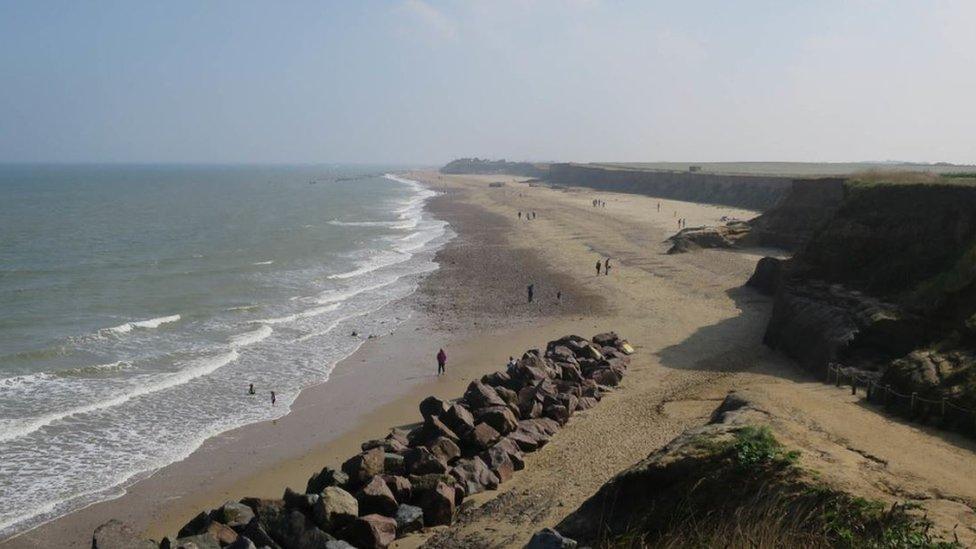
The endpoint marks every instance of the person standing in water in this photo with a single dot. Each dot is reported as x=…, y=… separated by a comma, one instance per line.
x=274, y=398
x=441, y=361
x=250, y=390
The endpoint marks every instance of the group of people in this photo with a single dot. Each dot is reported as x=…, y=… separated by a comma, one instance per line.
x=530, y=291
x=606, y=266
x=252, y=392
x=528, y=215
x=682, y=223
x=597, y=203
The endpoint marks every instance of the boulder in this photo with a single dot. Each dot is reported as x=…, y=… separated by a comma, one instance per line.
x=437, y=502
x=481, y=438
x=497, y=379
x=233, y=514
x=557, y=412
x=432, y=428
x=375, y=497
x=335, y=509
x=458, y=419
x=569, y=371
x=371, y=532
x=420, y=461
x=585, y=403
x=257, y=534
x=389, y=445
x=244, y=542
x=116, y=535
x=478, y=395
x=569, y=400
x=498, y=460
x=400, y=486
x=444, y=449
x=199, y=541
x=509, y=396
x=326, y=477
x=394, y=464
x=606, y=339
x=398, y=435
x=514, y=453
x=606, y=376
x=301, y=502
x=409, y=518
x=474, y=476
x=499, y=418
x=288, y=527
x=561, y=353
x=365, y=466
x=197, y=525
x=432, y=406
x=550, y=539
x=225, y=535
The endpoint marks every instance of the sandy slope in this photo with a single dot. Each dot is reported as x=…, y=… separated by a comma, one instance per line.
x=699, y=336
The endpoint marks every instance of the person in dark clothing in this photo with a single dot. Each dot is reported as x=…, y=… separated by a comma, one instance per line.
x=531, y=291
x=250, y=390
x=441, y=361
x=274, y=398
x=520, y=216
x=559, y=295
x=606, y=267
x=597, y=267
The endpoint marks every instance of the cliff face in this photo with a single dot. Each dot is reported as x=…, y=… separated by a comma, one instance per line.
x=743, y=191
x=887, y=285
x=808, y=206
x=485, y=166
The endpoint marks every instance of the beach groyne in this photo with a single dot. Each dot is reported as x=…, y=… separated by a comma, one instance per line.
x=886, y=287
x=411, y=480
x=755, y=192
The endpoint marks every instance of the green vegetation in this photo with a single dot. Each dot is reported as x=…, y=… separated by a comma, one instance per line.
x=750, y=493
x=871, y=178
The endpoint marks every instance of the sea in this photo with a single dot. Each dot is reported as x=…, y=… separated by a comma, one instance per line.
x=139, y=302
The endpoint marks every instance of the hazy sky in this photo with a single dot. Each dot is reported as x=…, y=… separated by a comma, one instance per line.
x=423, y=81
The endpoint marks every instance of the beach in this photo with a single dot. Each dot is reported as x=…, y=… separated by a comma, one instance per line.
x=697, y=332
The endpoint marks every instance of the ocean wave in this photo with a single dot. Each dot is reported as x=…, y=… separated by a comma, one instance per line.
x=378, y=261
x=264, y=262
x=82, y=371
x=146, y=324
x=315, y=311
x=16, y=428
x=252, y=337
x=390, y=224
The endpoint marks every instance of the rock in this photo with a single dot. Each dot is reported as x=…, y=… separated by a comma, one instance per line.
x=498, y=460
x=509, y=396
x=432, y=428
x=478, y=395
x=550, y=539
x=326, y=477
x=365, y=466
x=389, y=445
x=458, y=419
x=525, y=441
x=514, y=453
x=569, y=371
x=225, y=535
x=335, y=509
x=301, y=502
x=606, y=376
x=560, y=353
x=197, y=525
x=499, y=418
x=557, y=412
x=585, y=403
x=526, y=374
x=257, y=534
x=437, y=503
x=432, y=406
x=409, y=518
x=570, y=401
x=394, y=464
x=116, y=535
x=244, y=542
x=398, y=435
x=376, y=498
x=233, y=514
x=481, y=438
x=474, y=476
x=288, y=527
x=371, y=532
x=400, y=486
x=199, y=541
x=420, y=461
x=496, y=379
x=444, y=449
x=606, y=339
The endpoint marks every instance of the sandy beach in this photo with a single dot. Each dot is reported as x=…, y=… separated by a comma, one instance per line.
x=697, y=331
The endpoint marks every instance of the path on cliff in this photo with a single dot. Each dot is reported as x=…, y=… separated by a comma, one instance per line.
x=698, y=333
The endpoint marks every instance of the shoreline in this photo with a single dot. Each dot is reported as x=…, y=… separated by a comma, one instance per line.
x=358, y=399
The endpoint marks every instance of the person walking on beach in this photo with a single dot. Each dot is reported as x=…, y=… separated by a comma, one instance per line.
x=606, y=267
x=531, y=291
x=520, y=216
x=658, y=206
x=274, y=398
x=597, y=267
x=441, y=361
x=559, y=295
x=250, y=390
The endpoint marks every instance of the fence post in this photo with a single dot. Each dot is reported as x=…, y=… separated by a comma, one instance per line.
x=853, y=385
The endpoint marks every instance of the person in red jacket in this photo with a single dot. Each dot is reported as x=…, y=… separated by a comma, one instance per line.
x=441, y=361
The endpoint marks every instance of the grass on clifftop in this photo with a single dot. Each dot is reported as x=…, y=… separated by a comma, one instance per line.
x=873, y=178
x=756, y=497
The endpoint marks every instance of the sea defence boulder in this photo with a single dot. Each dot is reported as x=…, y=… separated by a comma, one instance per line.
x=413, y=480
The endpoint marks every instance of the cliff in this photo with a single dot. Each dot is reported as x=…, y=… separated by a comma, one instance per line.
x=887, y=286
x=485, y=166
x=743, y=191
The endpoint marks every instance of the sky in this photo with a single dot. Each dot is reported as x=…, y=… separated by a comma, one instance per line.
x=425, y=81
